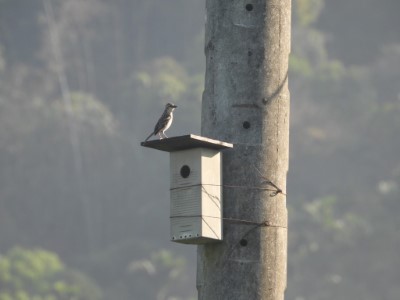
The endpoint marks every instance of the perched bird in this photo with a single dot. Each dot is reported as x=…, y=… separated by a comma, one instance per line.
x=164, y=122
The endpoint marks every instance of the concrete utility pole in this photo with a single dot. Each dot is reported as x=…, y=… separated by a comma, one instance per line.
x=246, y=102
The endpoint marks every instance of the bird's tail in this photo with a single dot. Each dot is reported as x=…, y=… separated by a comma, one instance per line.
x=149, y=137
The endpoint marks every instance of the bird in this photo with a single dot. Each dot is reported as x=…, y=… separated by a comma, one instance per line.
x=164, y=122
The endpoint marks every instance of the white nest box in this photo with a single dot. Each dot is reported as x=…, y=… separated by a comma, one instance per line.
x=196, y=187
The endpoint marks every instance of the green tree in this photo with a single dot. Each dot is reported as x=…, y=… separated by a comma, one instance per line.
x=40, y=275
x=165, y=270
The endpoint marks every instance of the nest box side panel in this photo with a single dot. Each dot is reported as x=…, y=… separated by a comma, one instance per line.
x=211, y=203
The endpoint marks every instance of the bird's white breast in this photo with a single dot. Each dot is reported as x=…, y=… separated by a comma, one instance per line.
x=169, y=122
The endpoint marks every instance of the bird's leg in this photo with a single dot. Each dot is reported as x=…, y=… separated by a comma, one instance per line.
x=159, y=134
x=164, y=135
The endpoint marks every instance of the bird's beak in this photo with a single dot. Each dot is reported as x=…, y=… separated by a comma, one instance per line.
x=174, y=106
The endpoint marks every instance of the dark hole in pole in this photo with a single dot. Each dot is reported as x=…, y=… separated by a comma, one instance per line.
x=246, y=125
x=249, y=53
x=249, y=7
x=185, y=171
x=243, y=242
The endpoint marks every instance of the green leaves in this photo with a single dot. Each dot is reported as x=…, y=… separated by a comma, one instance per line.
x=165, y=78
x=166, y=270
x=40, y=275
x=87, y=110
x=307, y=11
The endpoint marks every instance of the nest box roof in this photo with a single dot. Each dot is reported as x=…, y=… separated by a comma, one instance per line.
x=185, y=142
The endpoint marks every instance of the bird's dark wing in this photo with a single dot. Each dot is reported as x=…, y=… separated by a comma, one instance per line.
x=162, y=123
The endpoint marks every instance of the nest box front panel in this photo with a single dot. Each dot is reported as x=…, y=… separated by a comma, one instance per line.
x=196, y=203
x=185, y=167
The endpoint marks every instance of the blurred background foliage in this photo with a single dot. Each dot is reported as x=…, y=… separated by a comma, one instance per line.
x=82, y=83
x=40, y=275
